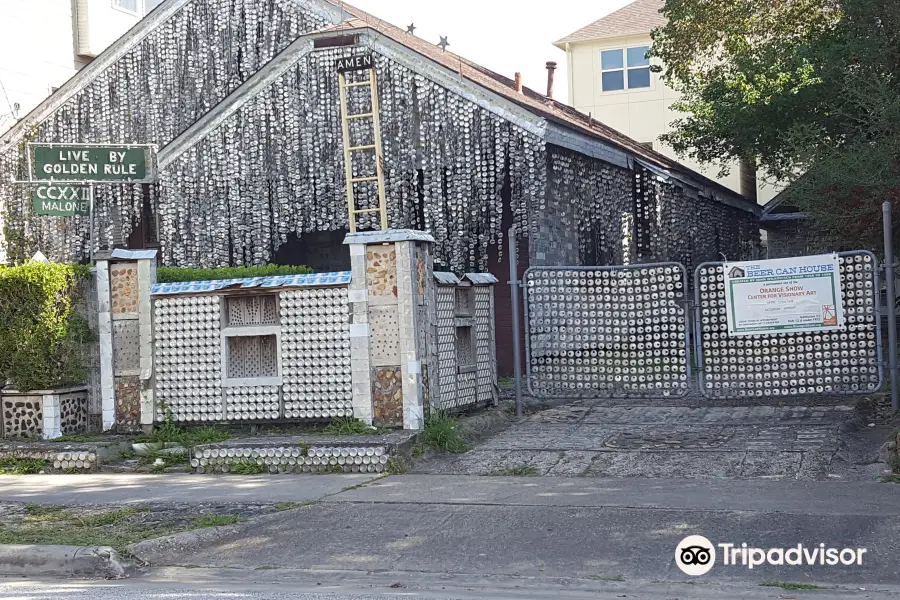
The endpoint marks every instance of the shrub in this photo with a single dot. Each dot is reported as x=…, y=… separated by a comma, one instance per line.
x=442, y=433
x=43, y=340
x=178, y=274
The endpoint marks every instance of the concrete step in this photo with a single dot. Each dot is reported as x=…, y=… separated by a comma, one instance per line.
x=304, y=454
x=57, y=457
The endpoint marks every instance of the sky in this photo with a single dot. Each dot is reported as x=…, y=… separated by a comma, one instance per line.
x=503, y=35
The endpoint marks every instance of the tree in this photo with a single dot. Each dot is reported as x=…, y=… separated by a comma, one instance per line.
x=808, y=90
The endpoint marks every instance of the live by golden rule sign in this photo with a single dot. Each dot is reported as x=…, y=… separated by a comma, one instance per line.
x=784, y=295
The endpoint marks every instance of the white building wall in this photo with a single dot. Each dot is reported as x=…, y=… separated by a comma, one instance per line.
x=38, y=47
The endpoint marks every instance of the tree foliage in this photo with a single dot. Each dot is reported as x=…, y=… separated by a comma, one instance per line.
x=806, y=89
x=42, y=337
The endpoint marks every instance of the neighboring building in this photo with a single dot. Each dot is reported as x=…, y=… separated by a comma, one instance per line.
x=44, y=42
x=251, y=166
x=610, y=79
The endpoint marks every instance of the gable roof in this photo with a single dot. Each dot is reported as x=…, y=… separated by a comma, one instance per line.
x=535, y=102
x=641, y=16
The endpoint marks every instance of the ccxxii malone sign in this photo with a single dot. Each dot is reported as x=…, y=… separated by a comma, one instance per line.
x=82, y=163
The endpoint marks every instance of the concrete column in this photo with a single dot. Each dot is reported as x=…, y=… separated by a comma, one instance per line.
x=52, y=421
x=361, y=371
x=391, y=273
x=104, y=327
x=146, y=280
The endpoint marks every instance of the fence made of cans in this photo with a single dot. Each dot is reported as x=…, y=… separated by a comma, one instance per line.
x=626, y=332
x=611, y=331
x=848, y=361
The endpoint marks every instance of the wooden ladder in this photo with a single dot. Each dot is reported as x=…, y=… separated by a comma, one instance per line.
x=349, y=150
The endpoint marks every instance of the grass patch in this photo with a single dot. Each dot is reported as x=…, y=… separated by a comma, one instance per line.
x=893, y=478
x=607, y=578
x=506, y=383
x=55, y=525
x=785, y=585
x=111, y=518
x=347, y=426
x=78, y=438
x=169, y=433
x=516, y=472
x=442, y=433
x=246, y=467
x=215, y=521
x=266, y=568
x=283, y=506
x=39, y=513
x=22, y=466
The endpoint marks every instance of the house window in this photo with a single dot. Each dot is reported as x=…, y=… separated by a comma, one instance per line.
x=625, y=68
x=129, y=6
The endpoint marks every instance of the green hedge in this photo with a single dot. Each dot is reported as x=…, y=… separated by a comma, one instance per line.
x=43, y=340
x=177, y=274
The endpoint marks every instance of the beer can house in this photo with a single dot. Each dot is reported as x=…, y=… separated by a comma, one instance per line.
x=241, y=104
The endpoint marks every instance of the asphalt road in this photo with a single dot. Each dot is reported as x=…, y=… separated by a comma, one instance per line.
x=228, y=584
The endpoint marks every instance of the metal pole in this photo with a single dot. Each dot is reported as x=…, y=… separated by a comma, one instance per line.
x=891, y=299
x=91, y=224
x=514, y=294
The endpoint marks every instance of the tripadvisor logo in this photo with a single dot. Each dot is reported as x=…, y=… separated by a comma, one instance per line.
x=695, y=555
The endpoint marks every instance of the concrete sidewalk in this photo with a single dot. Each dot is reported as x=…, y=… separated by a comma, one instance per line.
x=798, y=497
x=71, y=490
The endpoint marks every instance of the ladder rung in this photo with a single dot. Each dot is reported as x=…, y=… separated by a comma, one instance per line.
x=359, y=179
x=360, y=116
x=357, y=84
x=366, y=210
x=369, y=147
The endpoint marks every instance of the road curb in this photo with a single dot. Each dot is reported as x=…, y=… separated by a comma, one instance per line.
x=61, y=561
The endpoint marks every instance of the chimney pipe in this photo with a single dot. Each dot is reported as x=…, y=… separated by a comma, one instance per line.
x=518, y=85
x=551, y=68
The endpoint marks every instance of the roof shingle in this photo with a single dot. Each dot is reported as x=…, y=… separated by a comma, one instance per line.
x=641, y=16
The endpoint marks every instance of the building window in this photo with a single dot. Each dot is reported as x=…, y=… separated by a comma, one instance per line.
x=625, y=68
x=129, y=6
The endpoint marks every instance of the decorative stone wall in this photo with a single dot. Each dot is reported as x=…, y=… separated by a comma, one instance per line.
x=73, y=412
x=292, y=459
x=23, y=415
x=316, y=353
x=307, y=376
x=188, y=358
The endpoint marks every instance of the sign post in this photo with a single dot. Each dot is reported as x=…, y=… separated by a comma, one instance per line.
x=784, y=295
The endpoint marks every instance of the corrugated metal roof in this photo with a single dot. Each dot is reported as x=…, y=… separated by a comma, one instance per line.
x=639, y=17
x=445, y=278
x=482, y=278
x=199, y=287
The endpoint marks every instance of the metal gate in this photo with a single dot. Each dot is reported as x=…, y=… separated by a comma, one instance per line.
x=607, y=331
x=625, y=332
x=789, y=364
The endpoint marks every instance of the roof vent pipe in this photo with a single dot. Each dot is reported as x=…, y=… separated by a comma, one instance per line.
x=551, y=68
x=518, y=84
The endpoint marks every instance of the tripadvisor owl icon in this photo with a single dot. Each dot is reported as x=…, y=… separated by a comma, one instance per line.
x=695, y=555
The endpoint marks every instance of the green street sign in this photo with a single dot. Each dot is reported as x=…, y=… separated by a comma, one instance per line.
x=70, y=163
x=61, y=200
